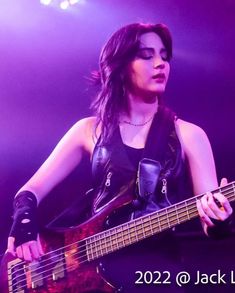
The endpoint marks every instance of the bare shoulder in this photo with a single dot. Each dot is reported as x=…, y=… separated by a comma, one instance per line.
x=190, y=134
x=196, y=146
x=84, y=132
x=86, y=124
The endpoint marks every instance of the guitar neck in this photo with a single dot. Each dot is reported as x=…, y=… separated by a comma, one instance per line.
x=136, y=230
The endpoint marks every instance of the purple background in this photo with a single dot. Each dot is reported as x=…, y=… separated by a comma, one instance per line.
x=46, y=56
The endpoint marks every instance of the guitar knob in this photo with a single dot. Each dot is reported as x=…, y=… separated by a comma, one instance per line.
x=137, y=204
x=107, y=223
x=101, y=267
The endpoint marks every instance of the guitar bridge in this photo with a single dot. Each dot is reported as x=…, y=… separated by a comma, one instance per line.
x=16, y=276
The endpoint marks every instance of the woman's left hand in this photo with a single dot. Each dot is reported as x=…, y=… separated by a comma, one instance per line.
x=209, y=210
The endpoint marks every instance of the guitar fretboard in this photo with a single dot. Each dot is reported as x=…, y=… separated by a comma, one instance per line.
x=149, y=225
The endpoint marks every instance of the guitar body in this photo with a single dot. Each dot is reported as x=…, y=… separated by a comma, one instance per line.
x=66, y=266
x=73, y=277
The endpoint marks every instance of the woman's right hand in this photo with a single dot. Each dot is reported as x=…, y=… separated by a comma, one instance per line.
x=28, y=251
x=23, y=240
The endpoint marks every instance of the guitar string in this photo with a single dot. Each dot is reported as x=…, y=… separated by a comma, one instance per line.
x=110, y=235
x=143, y=237
x=113, y=233
x=49, y=276
x=130, y=222
x=173, y=206
x=127, y=230
x=73, y=266
x=80, y=258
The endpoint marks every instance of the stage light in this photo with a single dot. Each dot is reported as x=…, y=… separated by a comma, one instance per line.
x=64, y=4
x=72, y=2
x=45, y=2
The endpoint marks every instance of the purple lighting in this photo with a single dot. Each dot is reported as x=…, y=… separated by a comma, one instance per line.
x=46, y=2
x=72, y=2
x=63, y=4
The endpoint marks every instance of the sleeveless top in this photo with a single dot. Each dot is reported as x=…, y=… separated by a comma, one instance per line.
x=114, y=165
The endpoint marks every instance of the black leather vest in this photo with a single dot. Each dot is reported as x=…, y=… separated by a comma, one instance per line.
x=112, y=169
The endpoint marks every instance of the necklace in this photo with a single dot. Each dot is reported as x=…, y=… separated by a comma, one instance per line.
x=139, y=124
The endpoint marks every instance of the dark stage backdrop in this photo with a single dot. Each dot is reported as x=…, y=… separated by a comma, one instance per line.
x=46, y=56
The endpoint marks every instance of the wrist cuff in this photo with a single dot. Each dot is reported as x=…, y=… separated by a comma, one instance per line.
x=221, y=230
x=24, y=227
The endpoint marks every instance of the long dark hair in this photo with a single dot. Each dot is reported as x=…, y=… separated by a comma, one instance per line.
x=116, y=54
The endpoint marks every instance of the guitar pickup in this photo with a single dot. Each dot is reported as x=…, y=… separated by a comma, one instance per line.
x=58, y=271
x=36, y=274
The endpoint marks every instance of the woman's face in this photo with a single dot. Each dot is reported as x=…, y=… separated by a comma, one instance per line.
x=148, y=72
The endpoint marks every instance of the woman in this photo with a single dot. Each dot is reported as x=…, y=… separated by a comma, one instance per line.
x=134, y=70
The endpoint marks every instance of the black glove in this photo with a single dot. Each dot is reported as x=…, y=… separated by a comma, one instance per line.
x=24, y=227
x=221, y=230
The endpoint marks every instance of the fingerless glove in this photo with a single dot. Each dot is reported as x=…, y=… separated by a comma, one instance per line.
x=24, y=227
x=221, y=230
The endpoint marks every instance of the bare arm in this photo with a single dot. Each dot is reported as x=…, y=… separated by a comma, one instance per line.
x=197, y=148
x=64, y=158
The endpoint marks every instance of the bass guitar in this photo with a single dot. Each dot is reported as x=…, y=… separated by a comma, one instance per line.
x=70, y=262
